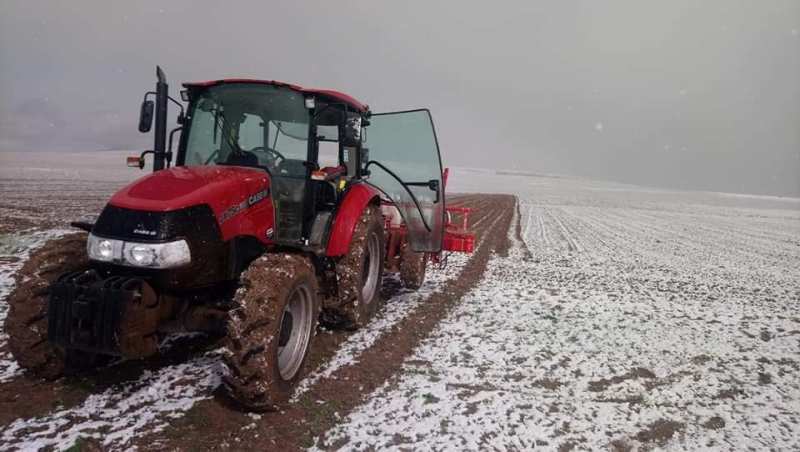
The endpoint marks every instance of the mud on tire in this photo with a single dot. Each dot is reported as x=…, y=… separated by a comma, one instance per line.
x=412, y=267
x=359, y=296
x=26, y=323
x=261, y=373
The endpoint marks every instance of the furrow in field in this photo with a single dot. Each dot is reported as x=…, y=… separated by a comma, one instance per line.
x=602, y=349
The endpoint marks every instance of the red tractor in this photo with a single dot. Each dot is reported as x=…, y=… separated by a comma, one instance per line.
x=274, y=215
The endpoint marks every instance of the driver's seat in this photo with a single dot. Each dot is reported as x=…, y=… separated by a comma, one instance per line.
x=243, y=158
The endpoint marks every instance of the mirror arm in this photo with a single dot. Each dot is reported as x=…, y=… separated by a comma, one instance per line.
x=141, y=158
x=169, y=149
x=180, y=105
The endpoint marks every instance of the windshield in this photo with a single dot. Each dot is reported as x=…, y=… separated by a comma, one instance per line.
x=249, y=125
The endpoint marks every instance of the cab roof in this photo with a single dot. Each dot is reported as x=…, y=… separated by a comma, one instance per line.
x=325, y=94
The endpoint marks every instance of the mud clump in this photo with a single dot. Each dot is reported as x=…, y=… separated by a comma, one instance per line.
x=714, y=423
x=701, y=359
x=731, y=393
x=548, y=383
x=660, y=431
x=633, y=374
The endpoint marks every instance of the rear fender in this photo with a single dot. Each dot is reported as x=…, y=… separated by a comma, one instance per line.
x=356, y=199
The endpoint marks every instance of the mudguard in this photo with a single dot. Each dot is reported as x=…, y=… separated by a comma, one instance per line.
x=356, y=198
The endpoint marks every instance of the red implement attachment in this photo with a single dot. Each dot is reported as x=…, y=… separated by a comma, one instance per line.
x=456, y=236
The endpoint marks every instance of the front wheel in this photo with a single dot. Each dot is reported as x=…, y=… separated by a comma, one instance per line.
x=271, y=330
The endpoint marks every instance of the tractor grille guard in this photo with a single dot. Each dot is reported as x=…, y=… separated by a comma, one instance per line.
x=113, y=316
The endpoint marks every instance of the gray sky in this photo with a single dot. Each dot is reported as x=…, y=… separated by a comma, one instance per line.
x=675, y=93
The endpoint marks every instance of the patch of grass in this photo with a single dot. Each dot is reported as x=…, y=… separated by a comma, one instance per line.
x=77, y=446
x=84, y=445
x=320, y=417
x=430, y=398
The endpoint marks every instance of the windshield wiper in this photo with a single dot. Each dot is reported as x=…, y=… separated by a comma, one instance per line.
x=222, y=123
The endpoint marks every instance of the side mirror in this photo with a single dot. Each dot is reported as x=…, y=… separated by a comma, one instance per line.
x=146, y=116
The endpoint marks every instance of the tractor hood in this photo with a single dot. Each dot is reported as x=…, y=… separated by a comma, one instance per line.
x=179, y=187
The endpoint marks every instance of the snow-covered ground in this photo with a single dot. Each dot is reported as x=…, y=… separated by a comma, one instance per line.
x=628, y=317
x=625, y=316
x=398, y=307
x=146, y=405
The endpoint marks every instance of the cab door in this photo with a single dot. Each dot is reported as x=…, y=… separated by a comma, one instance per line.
x=404, y=163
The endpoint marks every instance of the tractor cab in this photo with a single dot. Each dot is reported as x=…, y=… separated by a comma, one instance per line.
x=315, y=145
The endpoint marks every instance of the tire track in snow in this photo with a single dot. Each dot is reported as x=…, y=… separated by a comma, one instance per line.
x=394, y=310
x=568, y=236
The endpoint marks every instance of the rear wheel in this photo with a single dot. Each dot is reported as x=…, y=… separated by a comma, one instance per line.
x=412, y=267
x=270, y=333
x=360, y=272
x=26, y=323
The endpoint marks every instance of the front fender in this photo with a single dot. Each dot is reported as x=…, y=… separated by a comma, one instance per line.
x=355, y=200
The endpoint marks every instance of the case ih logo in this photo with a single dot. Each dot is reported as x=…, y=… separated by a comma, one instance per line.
x=255, y=198
x=141, y=230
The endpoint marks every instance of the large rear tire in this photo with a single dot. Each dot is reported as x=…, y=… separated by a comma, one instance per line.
x=26, y=323
x=271, y=330
x=360, y=271
x=412, y=267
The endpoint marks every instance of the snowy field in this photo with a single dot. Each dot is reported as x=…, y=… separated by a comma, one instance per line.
x=50, y=189
x=147, y=404
x=625, y=317
x=621, y=317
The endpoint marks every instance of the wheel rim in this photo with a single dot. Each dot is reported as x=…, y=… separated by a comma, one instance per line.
x=372, y=268
x=295, y=332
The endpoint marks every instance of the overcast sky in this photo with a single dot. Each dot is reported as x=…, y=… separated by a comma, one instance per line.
x=672, y=93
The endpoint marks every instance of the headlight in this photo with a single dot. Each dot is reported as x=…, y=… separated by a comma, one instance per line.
x=104, y=250
x=153, y=255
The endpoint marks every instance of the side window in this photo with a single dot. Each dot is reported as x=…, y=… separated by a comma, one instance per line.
x=328, y=153
x=251, y=132
x=328, y=146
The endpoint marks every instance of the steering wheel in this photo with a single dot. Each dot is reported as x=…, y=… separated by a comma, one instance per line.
x=275, y=154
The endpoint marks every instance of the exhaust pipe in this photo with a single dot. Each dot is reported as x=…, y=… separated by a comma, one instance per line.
x=160, y=141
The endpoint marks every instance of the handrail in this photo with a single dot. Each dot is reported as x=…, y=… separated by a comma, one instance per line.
x=413, y=198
